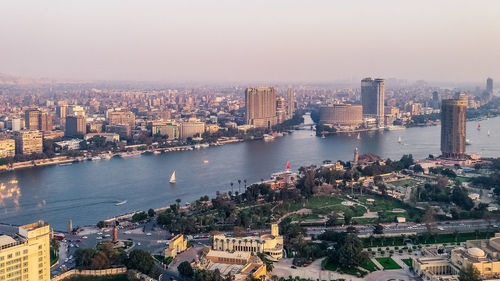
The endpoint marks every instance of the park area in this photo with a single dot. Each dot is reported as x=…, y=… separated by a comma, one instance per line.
x=388, y=263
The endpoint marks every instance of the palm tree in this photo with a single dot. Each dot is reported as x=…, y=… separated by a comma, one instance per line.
x=239, y=184
x=231, y=186
x=245, y=181
x=178, y=201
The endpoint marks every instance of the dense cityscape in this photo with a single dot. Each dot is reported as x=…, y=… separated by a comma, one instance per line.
x=375, y=178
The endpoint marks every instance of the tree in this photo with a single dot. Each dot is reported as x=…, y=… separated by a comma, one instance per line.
x=239, y=231
x=151, y=213
x=139, y=216
x=185, y=269
x=84, y=257
x=469, y=273
x=101, y=224
x=350, y=254
x=143, y=262
x=347, y=217
x=429, y=219
x=100, y=261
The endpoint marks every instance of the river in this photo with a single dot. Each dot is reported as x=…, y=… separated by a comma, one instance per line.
x=87, y=192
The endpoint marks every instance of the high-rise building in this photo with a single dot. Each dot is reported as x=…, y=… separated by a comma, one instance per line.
x=25, y=253
x=489, y=85
x=32, y=119
x=75, y=126
x=290, y=104
x=121, y=117
x=261, y=107
x=29, y=142
x=7, y=148
x=372, y=99
x=453, y=128
x=37, y=120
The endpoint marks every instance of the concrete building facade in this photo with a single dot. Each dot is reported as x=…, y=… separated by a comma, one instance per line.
x=342, y=115
x=453, y=134
x=25, y=255
x=372, y=99
x=261, y=107
x=29, y=142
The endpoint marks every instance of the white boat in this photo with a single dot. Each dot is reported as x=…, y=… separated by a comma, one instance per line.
x=157, y=152
x=468, y=142
x=172, y=178
x=121, y=203
x=323, y=136
x=268, y=137
x=205, y=161
x=488, y=133
x=394, y=128
x=65, y=164
x=399, y=139
x=96, y=158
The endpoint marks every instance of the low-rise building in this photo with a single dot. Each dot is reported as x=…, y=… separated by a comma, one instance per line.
x=269, y=244
x=7, y=148
x=110, y=137
x=176, y=245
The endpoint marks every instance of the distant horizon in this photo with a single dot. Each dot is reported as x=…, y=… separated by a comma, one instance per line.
x=335, y=82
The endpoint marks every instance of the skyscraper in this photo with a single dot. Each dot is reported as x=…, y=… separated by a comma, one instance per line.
x=261, y=107
x=290, y=104
x=489, y=85
x=372, y=99
x=32, y=119
x=75, y=126
x=37, y=120
x=453, y=128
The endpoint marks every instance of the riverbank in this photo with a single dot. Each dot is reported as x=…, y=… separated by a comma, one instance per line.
x=67, y=160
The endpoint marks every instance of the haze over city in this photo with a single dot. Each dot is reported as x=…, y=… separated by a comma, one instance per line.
x=250, y=40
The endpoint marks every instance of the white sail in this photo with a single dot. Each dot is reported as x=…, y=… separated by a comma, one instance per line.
x=172, y=178
x=399, y=139
x=488, y=132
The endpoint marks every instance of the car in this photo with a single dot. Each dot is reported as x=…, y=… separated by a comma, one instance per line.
x=107, y=235
x=148, y=234
x=99, y=233
x=66, y=260
x=70, y=257
x=127, y=232
x=71, y=245
x=138, y=243
x=293, y=266
x=78, y=240
x=99, y=238
x=78, y=246
x=84, y=237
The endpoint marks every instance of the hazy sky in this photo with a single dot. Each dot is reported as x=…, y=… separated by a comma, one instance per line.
x=250, y=40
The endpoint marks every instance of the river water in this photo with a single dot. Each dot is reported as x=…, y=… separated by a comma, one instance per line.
x=87, y=192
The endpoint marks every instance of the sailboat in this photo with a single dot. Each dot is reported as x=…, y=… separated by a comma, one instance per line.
x=399, y=139
x=172, y=178
x=488, y=133
x=478, y=126
x=288, y=165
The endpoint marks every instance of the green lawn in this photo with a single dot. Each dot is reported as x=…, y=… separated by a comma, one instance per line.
x=328, y=266
x=370, y=265
x=326, y=205
x=388, y=263
x=408, y=262
x=118, y=277
x=355, y=272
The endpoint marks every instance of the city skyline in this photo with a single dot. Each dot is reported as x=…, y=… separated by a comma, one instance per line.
x=226, y=41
